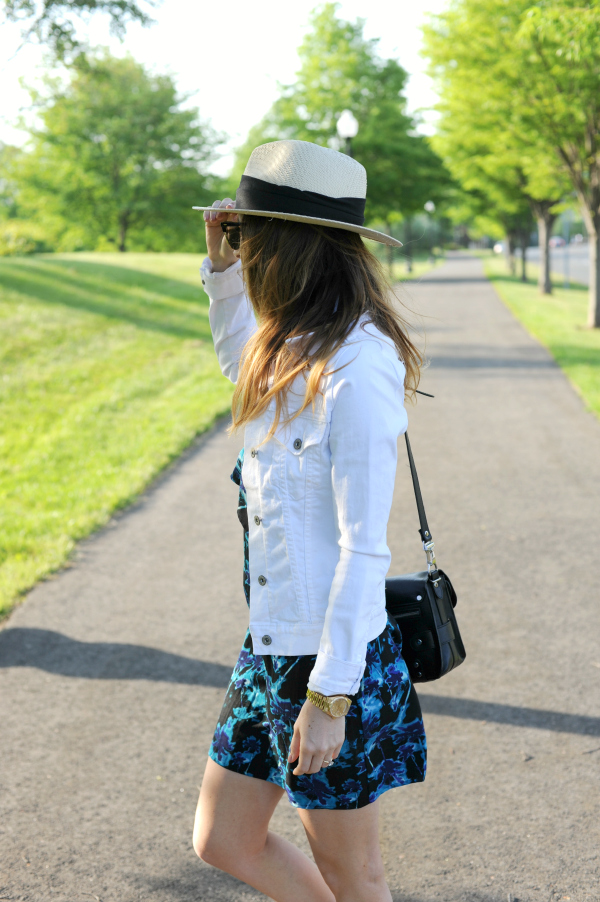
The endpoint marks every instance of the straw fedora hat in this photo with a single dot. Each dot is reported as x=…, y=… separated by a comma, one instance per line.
x=305, y=182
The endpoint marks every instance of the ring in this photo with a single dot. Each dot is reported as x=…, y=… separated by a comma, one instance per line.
x=327, y=762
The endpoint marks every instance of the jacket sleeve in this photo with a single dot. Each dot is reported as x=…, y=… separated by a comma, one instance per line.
x=230, y=315
x=367, y=416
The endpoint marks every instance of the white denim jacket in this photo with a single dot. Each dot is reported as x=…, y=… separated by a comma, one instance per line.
x=319, y=494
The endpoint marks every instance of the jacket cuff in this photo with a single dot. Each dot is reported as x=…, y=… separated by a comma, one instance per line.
x=331, y=676
x=221, y=285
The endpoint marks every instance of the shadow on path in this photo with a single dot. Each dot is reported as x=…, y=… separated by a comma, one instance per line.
x=532, y=718
x=59, y=654
x=503, y=363
x=55, y=653
x=448, y=280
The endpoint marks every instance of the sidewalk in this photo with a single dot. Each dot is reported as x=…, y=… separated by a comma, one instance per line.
x=112, y=674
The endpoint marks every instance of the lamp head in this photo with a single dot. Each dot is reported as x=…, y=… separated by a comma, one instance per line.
x=347, y=126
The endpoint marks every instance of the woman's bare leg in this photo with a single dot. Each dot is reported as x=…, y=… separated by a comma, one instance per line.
x=346, y=848
x=231, y=832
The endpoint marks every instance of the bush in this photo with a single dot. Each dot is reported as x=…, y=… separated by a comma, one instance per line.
x=19, y=237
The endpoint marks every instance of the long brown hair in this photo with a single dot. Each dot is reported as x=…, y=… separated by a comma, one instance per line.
x=310, y=284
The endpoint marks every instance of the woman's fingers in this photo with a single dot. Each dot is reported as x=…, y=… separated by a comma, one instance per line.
x=305, y=762
x=312, y=764
x=317, y=738
x=220, y=213
x=311, y=761
x=219, y=251
x=294, y=746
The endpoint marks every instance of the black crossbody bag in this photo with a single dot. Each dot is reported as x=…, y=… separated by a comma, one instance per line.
x=422, y=604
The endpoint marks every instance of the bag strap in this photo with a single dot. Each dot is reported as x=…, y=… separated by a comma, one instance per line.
x=424, y=532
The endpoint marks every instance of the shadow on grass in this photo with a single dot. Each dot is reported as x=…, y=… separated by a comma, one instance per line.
x=142, y=299
x=532, y=283
x=573, y=355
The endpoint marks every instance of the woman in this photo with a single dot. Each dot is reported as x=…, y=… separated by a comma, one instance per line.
x=320, y=705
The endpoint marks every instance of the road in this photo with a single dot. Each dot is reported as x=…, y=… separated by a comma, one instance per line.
x=112, y=673
x=572, y=260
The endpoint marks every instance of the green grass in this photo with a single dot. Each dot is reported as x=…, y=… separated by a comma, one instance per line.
x=107, y=372
x=558, y=321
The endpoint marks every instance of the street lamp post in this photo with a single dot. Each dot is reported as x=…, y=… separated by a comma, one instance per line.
x=430, y=210
x=347, y=128
x=567, y=217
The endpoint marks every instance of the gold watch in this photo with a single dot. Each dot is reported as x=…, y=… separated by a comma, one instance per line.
x=334, y=705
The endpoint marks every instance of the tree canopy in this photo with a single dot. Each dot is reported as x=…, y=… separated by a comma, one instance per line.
x=117, y=157
x=341, y=69
x=52, y=22
x=528, y=76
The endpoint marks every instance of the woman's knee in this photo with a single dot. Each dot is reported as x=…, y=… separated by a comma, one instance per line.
x=206, y=845
x=210, y=838
x=363, y=875
x=223, y=847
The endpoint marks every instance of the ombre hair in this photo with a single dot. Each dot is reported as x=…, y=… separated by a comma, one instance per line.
x=309, y=285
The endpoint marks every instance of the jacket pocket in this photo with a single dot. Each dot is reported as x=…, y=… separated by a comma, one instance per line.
x=300, y=442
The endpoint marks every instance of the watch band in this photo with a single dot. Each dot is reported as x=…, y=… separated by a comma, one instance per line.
x=317, y=699
x=324, y=702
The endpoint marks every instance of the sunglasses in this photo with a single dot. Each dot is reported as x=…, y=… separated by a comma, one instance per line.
x=233, y=234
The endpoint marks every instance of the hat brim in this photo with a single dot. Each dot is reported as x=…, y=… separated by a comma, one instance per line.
x=313, y=220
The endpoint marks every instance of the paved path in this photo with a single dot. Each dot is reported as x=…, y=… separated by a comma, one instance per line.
x=112, y=674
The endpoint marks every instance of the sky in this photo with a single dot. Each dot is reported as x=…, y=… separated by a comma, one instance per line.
x=229, y=56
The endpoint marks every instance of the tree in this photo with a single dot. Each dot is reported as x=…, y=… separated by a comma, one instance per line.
x=52, y=23
x=535, y=69
x=341, y=69
x=117, y=155
x=8, y=189
x=508, y=181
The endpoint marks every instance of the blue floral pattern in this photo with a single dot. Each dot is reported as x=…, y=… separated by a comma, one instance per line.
x=385, y=743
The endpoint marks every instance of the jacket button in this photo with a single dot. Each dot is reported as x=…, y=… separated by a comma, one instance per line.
x=262, y=580
x=297, y=443
x=266, y=640
x=257, y=519
x=254, y=453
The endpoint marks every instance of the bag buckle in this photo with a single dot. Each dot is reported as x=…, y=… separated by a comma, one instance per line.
x=431, y=562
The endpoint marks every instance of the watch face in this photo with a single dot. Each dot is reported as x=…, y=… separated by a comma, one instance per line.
x=338, y=706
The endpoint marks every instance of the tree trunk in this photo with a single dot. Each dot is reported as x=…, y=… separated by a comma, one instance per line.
x=408, y=264
x=594, y=297
x=463, y=236
x=545, y=221
x=123, y=227
x=510, y=253
x=390, y=253
x=523, y=258
x=592, y=225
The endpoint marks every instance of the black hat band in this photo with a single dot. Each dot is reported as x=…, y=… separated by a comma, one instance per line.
x=256, y=194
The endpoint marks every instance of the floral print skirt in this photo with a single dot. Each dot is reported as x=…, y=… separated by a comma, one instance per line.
x=385, y=742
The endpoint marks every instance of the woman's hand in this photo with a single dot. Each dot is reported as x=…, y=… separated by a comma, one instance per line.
x=220, y=254
x=317, y=738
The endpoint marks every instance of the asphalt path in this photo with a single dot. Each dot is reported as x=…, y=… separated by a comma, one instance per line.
x=112, y=673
